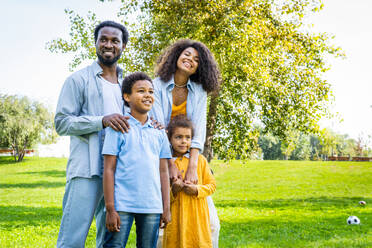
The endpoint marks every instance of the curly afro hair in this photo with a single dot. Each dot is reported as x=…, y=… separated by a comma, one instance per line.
x=179, y=121
x=207, y=74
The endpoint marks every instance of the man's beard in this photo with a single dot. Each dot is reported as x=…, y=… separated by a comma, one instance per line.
x=108, y=62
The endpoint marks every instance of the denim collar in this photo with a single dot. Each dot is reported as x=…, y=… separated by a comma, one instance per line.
x=97, y=69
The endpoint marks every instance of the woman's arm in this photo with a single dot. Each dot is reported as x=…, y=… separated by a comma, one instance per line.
x=199, y=119
x=112, y=217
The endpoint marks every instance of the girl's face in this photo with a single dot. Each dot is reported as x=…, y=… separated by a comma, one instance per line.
x=181, y=140
x=188, y=61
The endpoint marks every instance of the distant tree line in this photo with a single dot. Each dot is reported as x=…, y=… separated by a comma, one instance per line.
x=312, y=147
x=23, y=124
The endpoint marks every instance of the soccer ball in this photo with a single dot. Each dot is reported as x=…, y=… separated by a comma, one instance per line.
x=362, y=203
x=353, y=220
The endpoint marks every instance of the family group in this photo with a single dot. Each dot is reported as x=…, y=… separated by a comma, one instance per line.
x=135, y=148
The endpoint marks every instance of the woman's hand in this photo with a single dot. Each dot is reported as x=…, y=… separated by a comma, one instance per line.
x=191, y=175
x=156, y=124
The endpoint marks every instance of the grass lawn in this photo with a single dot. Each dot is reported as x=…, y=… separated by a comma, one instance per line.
x=260, y=203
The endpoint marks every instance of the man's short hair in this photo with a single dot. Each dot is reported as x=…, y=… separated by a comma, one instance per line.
x=123, y=30
x=130, y=80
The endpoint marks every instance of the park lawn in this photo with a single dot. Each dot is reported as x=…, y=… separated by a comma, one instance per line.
x=259, y=203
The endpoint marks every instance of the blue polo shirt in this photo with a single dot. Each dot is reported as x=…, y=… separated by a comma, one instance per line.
x=137, y=177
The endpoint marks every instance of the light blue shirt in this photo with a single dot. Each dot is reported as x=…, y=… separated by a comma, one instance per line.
x=79, y=115
x=137, y=178
x=196, y=107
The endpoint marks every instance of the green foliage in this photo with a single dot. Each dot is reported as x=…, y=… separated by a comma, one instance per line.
x=312, y=147
x=260, y=204
x=23, y=124
x=271, y=66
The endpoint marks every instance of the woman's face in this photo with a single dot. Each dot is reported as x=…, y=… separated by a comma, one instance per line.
x=188, y=61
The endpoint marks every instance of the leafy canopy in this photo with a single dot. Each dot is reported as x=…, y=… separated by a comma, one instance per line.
x=272, y=67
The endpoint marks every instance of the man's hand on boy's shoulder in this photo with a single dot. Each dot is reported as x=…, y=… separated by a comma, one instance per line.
x=113, y=221
x=117, y=122
x=165, y=218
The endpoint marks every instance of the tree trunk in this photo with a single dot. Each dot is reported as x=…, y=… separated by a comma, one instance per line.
x=211, y=126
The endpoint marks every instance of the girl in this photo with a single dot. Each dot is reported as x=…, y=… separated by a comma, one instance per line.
x=190, y=224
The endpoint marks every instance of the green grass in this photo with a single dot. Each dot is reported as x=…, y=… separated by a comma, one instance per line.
x=260, y=203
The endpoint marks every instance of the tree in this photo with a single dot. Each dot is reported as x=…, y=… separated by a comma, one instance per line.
x=271, y=66
x=270, y=146
x=23, y=124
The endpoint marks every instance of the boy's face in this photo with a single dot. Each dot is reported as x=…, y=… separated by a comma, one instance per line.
x=142, y=97
x=181, y=140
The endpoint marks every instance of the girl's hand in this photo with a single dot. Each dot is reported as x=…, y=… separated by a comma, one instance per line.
x=113, y=221
x=165, y=218
x=177, y=186
x=190, y=189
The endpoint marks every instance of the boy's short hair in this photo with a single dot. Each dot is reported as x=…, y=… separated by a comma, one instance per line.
x=124, y=31
x=179, y=121
x=130, y=80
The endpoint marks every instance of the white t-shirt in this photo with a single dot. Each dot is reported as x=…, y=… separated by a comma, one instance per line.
x=112, y=99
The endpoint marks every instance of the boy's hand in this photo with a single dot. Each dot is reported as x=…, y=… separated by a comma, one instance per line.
x=177, y=186
x=165, y=218
x=113, y=221
x=117, y=122
x=190, y=189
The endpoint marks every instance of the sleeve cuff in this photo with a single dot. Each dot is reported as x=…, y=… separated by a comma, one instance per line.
x=195, y=144
x=98, y=122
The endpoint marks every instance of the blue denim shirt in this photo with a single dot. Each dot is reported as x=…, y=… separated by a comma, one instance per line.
x=196, y=107
x=79, y=115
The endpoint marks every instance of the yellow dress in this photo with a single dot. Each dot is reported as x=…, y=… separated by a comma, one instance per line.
x=190, y=225
x=178, y=109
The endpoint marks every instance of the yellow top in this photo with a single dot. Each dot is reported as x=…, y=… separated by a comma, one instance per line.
x=190, y=224
x=178, y=110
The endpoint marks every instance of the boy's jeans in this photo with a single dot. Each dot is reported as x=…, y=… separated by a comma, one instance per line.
x=147, y=229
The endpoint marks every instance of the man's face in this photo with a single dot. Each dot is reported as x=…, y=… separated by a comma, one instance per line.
x=109, y=45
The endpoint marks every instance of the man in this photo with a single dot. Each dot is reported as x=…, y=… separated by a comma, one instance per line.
x=90, y=100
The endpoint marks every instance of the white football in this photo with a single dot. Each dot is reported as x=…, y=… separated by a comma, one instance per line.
x=362, y=203
x=353, y=220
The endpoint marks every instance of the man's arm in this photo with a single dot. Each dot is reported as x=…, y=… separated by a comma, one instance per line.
x=68, y=119
x=112, y=217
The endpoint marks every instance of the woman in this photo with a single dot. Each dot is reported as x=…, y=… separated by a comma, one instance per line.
x=187, y=72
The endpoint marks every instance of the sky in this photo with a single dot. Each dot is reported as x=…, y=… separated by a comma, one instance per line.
x=29, y=69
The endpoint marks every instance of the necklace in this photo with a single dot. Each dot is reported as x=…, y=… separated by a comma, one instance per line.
x=180, y=86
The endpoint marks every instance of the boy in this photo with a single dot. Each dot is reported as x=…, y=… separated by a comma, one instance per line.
x=135, y=183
